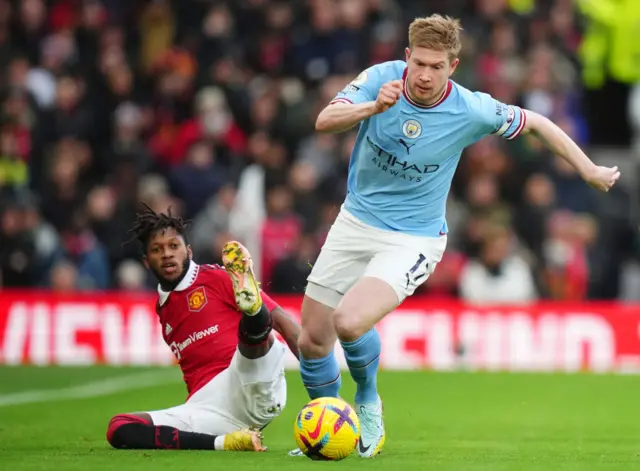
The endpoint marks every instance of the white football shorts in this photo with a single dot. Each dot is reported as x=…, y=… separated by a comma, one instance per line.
x=354, y=249
x=250, y=393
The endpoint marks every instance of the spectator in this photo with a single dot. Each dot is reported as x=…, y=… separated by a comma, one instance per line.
x=280, y=230
x=30, y=27
x=64, y=277
x=213, y=123
x=211, y=229
x=317, y=151
x=249, y=212
x=304, y=183
x=63, y=192
x=45, y=238
x=198, y=178
x=538, y=205
x=18, y=261
x=128, y=145
x=82, y=249
x=19, y=119
x=14, y=172
x=498, y=275
x=70, y=118
x=132, y=276
x=290, y=273
x=109, y=216
x=565, y=255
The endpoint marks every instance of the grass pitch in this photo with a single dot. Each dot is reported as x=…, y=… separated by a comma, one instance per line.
x=435, y=421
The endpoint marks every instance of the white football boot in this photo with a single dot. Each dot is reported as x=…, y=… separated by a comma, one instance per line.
x=372, y=434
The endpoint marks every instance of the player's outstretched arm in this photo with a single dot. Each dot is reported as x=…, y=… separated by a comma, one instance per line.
x=286, y=326
x=601, y=178
x=340, y=116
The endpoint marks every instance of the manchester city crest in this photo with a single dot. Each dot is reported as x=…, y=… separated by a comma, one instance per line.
x=411, y=128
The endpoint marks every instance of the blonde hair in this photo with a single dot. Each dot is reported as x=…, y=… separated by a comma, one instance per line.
x=441, y=33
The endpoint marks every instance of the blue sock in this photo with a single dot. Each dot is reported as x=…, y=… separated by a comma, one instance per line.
x=363, y=357
x=321, y=376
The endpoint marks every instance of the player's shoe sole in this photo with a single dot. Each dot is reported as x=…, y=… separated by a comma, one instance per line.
x=244, y=440
x=237, y=260
x=372, y=429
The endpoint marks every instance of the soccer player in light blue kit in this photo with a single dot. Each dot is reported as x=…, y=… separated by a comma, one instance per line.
x=391, y=231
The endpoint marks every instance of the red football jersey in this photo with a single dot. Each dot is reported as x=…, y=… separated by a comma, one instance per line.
x=200, y=322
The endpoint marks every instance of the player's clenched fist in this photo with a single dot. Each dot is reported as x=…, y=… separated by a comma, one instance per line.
x=388, y=95
x=603, y=178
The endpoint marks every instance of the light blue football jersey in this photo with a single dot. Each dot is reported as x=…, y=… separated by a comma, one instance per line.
x=404, y=159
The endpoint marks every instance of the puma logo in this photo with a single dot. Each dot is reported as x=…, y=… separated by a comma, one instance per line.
x=406, y=146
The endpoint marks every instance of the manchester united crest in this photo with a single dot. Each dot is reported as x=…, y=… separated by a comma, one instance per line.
x=197, y=299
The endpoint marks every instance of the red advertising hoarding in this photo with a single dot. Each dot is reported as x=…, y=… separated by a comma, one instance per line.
x=122, y=329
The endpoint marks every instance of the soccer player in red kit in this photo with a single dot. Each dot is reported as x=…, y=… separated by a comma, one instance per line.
x=218, y=323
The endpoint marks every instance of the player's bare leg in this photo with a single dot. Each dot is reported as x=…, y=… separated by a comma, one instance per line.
x=317, y=337
x=138, y=432
x=361, y=308
x=256, y=324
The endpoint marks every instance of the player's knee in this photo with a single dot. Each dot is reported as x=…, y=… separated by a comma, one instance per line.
x=347, y=325
x=311, y=346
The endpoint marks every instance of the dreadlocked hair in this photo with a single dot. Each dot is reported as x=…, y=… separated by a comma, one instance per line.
x=148, y=222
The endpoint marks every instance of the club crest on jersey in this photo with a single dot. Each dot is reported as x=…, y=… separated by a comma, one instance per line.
x=197, y=299
x=411, y=128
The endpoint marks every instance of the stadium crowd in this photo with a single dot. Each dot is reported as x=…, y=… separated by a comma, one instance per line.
x=208, y=107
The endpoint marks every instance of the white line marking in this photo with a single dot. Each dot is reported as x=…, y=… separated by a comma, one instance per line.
x=103, y=387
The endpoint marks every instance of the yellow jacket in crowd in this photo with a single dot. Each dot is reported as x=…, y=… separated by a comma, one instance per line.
x=611, y=45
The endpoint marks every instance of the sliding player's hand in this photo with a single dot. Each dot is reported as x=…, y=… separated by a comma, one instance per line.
x=388, y=95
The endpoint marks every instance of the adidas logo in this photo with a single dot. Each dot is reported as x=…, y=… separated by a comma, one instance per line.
x=167, y=329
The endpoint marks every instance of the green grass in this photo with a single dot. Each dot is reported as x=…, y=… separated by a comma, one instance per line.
x=457, y=421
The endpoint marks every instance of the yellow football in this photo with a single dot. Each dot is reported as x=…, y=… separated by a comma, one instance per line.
x=327, y=428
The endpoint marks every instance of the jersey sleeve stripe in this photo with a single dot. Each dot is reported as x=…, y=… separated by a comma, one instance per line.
x=341, y=100
x=521, y=125
x=502, y=129
x=511, y=116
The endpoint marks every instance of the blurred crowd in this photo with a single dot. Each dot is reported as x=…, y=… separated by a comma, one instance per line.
x=208, y=107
